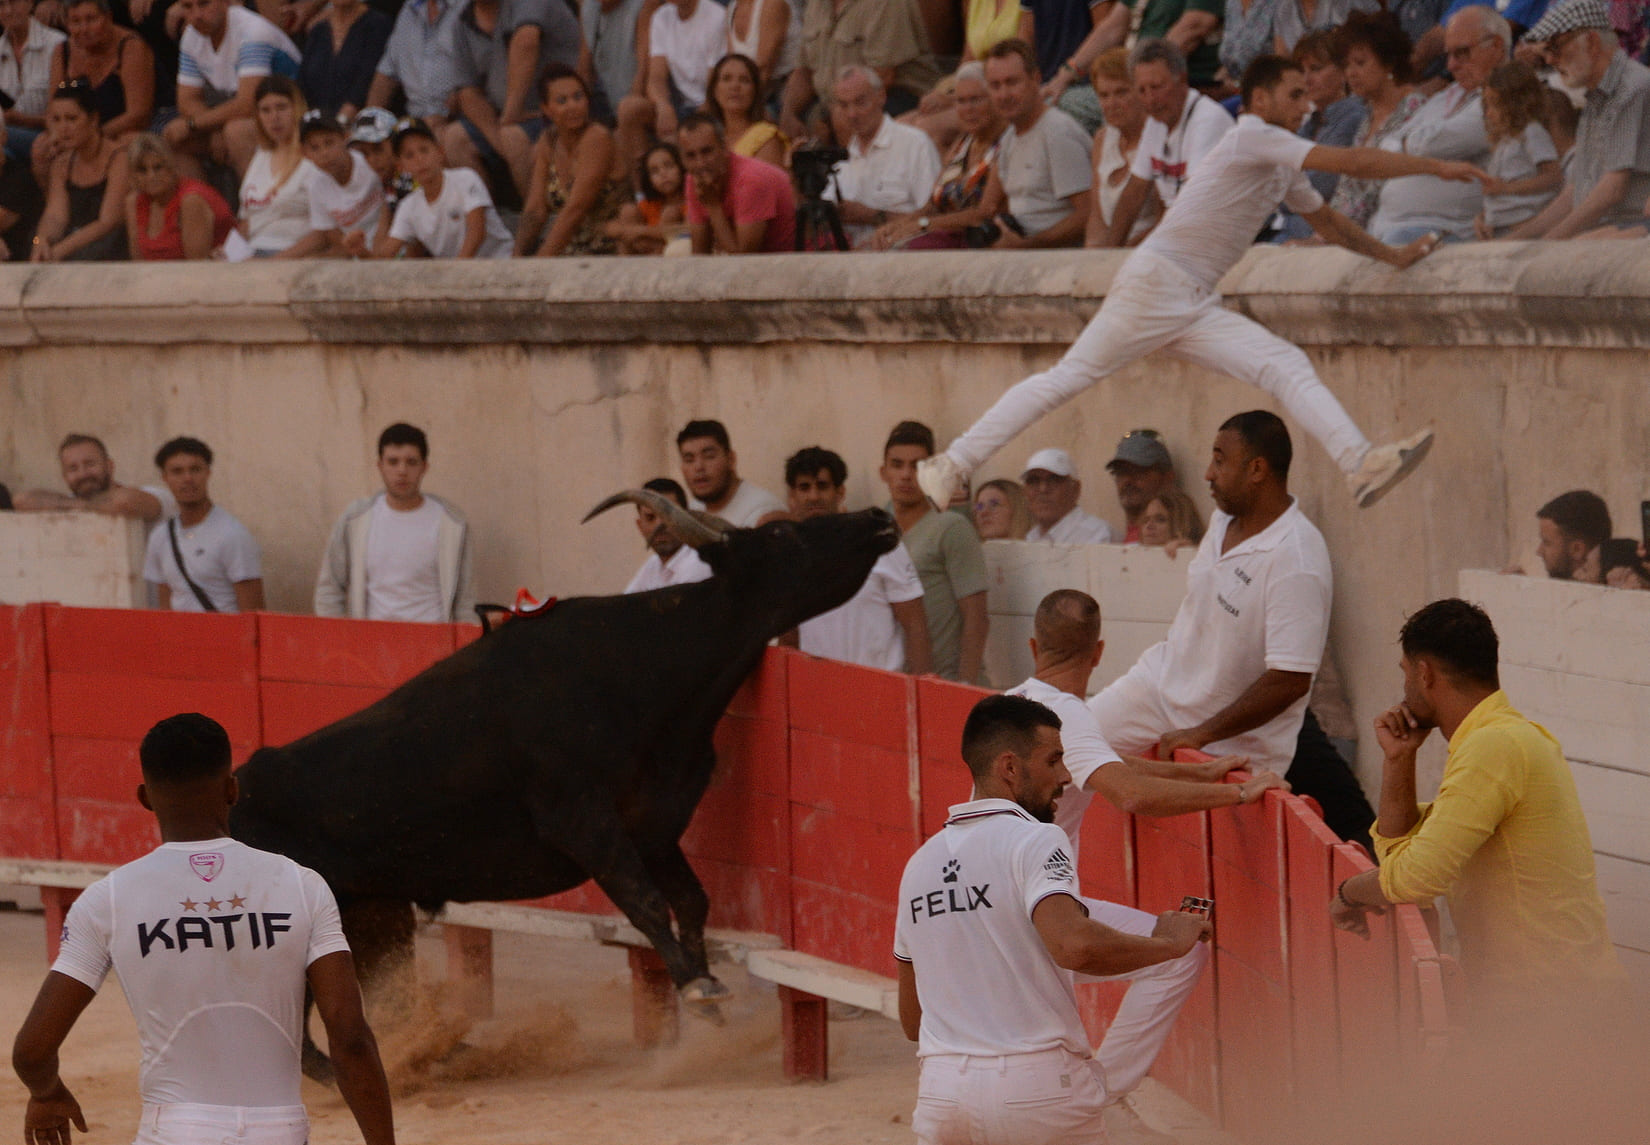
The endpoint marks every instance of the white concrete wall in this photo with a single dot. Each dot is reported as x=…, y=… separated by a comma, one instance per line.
x=1576, y=659
x=71, y=558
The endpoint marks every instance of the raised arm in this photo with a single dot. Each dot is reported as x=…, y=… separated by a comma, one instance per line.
x=1334, y=227
x=1077, y=942
x=1373, y=163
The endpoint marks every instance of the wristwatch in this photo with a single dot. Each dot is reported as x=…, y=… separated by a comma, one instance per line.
x=922, y=223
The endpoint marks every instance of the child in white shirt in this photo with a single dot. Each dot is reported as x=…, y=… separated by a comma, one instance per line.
x=450, y=215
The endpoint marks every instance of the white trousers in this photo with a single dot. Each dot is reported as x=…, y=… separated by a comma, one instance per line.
x=1153, y=305
x=1154, y=1000
x=181, y=1123
x=1052, y=1097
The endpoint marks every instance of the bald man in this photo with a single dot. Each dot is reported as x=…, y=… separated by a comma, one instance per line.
x=1067, y=648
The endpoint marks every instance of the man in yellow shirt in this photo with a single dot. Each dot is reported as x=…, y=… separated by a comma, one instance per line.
x=1505, y=840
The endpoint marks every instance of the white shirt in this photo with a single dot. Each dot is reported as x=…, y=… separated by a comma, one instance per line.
x=987, y=984
x=747, y=506
x=439, y=226
x=1170, y=158
x=789, y=51
x=219, y=553
x=27, y=78
x=211, y=941
x=403, y=569
x=1043, y=169
x=690, y=47
x=1086, y=752
x=252, y=46
x=1450, y=125
x=685, y=567
x=1075, y=528
x=354, y=206
x=1263, y=606
x=864, y=630
x=276, y=212
x=895, y=173
x=1233, y=191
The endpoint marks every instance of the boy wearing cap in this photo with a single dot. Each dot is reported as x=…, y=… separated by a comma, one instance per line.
x=450, y=215
x=1052, y=490
x=369, y=136
x=1141, y=468
x=345, y=198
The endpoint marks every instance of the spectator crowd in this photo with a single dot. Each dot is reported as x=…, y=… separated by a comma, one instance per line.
x=498, y=128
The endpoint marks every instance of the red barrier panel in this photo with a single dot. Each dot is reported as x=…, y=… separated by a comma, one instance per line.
x=28, y=806
x=1366, y=973
x=1308, y=846
x=353, y=653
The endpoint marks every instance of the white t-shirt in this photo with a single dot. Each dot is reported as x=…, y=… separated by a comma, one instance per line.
x=1170, y=158
x=1044, y=168
x=211, y=941
x=1086, y=752
x=252, y=46
x=684, y=567
x=403, y=567
x=864, y=630
x=1519, y=158
x=1263, y=606
x=219, y=553
x=987, y=984
x=439, y=226
x=276, y=212
x=690, y=47
x=354, y=206
x=1234, y=189
x=747, y=506
x=1075, y=528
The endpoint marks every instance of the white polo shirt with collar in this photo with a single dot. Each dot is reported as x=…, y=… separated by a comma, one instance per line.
x=1075, y=528
x=1166, y=157
x=895, y=173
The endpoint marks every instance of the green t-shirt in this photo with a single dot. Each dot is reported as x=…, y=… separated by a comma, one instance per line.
x=1161, y=15
x=951, y=564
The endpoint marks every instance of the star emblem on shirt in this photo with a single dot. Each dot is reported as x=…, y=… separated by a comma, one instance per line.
x=237, y=901
x=188, y=904
x=213, y=904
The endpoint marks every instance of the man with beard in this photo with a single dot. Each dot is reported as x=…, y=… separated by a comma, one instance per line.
x=89, y=472
x=670, y=561
x=991, y=931
x=710, y=470
x=1572, y=527
x=1142, y=468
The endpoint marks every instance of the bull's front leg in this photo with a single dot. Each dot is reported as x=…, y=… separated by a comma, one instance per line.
x=681, y=887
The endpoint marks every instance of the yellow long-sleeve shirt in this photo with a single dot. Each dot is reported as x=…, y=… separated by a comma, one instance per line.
x=1507, y=844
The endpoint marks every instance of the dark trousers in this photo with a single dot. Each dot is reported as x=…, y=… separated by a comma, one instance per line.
x=1320, y=771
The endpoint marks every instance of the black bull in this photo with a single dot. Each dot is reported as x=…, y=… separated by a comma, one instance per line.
x=565, y=747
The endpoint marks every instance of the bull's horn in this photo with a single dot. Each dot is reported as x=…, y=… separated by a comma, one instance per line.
x=684, y=524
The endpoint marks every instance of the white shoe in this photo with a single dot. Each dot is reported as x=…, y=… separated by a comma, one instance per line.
x=939, y=478
x=1124, y=1126
x=1386, y=465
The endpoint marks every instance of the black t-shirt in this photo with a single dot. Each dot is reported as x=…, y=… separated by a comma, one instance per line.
x=20, y=195
x=1059, y=27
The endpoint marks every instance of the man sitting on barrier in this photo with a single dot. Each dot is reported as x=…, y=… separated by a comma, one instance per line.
x=1067, y=648
x=991, y=932
x=89, y=472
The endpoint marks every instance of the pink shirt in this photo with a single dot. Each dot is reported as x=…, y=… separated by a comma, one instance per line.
x=756, y=192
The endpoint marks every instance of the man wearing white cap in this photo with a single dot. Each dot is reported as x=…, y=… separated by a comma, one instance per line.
x=1052, y=490
x=1609, y=178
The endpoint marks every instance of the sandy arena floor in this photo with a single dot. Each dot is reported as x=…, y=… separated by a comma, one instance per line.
x=557, y=1065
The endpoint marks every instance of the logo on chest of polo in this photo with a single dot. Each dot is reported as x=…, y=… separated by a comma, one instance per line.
x=1244, y=581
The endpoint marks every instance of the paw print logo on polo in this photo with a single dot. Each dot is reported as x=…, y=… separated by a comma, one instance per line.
x=208, y=865
x=948, y=873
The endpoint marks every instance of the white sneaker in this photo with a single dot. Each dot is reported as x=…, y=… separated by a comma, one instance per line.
x=940, y=478
x=1124, y=1126
x=1386, y=465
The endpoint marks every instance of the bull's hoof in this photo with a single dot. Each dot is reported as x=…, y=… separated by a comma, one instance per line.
x=705, y=991
x=316, y=1065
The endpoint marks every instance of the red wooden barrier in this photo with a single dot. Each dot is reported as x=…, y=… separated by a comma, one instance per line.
x=28, y=806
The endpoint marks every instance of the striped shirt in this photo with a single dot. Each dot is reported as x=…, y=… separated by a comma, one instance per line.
x=252, y=46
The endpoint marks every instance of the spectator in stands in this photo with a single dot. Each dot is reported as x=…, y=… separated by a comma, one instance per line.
x=1052, y=491
x=414, y=63
x=1524, y=163
x=115, y=61
x=20, y=207
x=710, y=470
x=1449, y=126
x=499, y=51
x=886, y=37
x=614, y=35
x=959, y=199
x=769, y=34
x=1042, y=170
x=1170, y=520
x=733, y=205
x=341, y=56
x=371, y=137
x=1191, y=26
x=402, y=554
x=1069, y=38
x=449, y=214
x=1378, y=73
x=169, y=217
x=86, y=192
x=1291, y=20
x=1505, y=840
x=669, y=561
x=1334, y=120
x=1141, y=468
x=685, y=39
x=346, y=196
x=203, y=559
x=26, y=50
x=883, y=625
x=1115, y=147
x=657, y=217
x=1001, y=512
x=1571, y=526
x=226, y=52
x=1245, y=33
x=891, y=167
x=1184, y=124
x=733, y=97
x=948, y=557
x=579, y=181
x=275, y=189
x=89, y=472
x=1608, y=179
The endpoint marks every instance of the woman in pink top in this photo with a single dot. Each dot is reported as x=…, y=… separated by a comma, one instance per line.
x=169, y=218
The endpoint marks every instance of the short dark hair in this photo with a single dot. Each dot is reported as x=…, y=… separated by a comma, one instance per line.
x=910, y=433
x=1459, y=636
x=190, y=445
x=83, y=439
x=1264, y=73
x=1384, y=36
x=1002, y=723
x=1067, y=622
x=700, y=119
x=1018, y=49
x=808, y=462
x=78, y=91
x=556, y=70
x=704, y=427
x=403, y=434
x=1265, y=436
x=1581, y=515
x=665, y=487
x=184, y=748
x=1320, y=44
x=408, y=127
